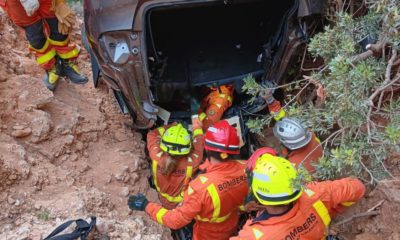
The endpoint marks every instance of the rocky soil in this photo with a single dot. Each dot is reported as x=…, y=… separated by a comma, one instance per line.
x=65, y=155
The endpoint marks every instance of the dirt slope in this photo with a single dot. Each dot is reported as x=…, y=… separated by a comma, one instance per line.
x=65, y=155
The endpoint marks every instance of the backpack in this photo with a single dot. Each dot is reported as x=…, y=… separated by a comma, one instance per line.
x=81, y=231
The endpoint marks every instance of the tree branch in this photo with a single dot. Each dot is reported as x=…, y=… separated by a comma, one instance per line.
x=380, y=89
x=371, y=49
x=368, y=171
x=369, y=212
x=386, y=84
x=390, y=65
x=365, y=214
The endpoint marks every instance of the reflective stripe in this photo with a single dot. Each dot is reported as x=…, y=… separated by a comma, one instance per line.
x=46, y=57
x=161, y=130
x=212, y=191
x=42, y=50
x=189, y=172
x=203, y=179
x=320, y=208
x=309, y=192
x=160, y=215
x=347, y=204
x=317, y=139
x=241, y=208
x=159, y=154
x=71, y=54
x=215, y=199
x=323, y=212
x=59, y=43
x=257, y=233
x=216, y=220
x=202, y=116
x=179, y=197
x=190, y=190
x=281, y=114
x=197, y=132
x=229, y=98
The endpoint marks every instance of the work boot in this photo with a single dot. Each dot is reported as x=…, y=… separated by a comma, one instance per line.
x=71, y=71
x=51, y=78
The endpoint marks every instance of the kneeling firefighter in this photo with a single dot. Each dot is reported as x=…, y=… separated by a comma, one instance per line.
x=213, y=197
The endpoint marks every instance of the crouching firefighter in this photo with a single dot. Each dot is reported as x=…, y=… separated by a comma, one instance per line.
x=213, y=197
x=292, y=212
x=175, y=158
x=301, y=145
x=215, y=104
x=47, y=24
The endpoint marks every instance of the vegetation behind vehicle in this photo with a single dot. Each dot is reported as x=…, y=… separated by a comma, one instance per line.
x=356, y=106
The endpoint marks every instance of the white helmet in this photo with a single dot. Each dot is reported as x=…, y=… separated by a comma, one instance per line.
x=292, y=133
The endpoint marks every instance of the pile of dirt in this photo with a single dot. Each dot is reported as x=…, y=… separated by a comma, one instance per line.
x=65, y=155
x=384, y=203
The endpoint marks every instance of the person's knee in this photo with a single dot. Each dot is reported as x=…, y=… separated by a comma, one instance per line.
x=54, y=33
x=34, y=34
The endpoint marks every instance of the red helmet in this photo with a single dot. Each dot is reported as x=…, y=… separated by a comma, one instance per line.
x=257, y=154
x=222, y=137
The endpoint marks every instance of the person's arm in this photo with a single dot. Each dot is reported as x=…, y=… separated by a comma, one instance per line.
x=276, y=110
x=343, y=192
x=153, y=143
x=274, y=106
x=180, y=216
x=198, y=141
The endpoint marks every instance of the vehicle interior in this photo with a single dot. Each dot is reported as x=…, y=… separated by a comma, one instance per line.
x=191, y=47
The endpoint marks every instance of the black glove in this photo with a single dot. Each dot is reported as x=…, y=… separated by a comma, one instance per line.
x=137, y=202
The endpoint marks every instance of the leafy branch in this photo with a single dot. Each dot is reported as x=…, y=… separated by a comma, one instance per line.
x=354, y=114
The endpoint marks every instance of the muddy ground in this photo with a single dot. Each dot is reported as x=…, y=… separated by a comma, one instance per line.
x=72, y=154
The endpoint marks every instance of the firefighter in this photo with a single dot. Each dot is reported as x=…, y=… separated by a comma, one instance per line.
x=288, y=211
x=174, y=160
x=47, y=24
x=215, y=104
x=301, y=146
x=213, y=197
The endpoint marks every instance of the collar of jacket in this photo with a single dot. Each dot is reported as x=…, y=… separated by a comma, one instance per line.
x=274, y=219
x=208, y=167
x=264, y=215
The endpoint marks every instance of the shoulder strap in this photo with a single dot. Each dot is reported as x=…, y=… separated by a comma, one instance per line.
x=82, y=230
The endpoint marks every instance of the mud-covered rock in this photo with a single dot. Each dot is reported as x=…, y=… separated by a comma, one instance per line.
x=41, y=127
x=20, y=133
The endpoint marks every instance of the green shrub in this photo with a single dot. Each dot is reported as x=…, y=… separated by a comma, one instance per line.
x=359, y=118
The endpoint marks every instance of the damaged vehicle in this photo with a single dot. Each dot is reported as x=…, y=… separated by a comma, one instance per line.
x=159, y=55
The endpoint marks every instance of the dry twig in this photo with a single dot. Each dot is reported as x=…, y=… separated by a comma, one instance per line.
x=365, y=214
x=372, y=48
x=369, y=212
